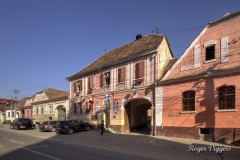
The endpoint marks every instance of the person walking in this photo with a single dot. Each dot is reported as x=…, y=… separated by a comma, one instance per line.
x=34, y=124
x=102, y=127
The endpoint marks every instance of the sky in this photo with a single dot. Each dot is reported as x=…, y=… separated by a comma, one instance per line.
x=42, y=42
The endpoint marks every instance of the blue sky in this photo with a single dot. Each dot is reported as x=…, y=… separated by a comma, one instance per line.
x=43, y=42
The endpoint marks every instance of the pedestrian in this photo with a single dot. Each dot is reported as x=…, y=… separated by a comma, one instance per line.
x=34, y=124
x=102, y=127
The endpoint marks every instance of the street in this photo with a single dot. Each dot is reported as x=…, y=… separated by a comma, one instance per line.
x=32, y=144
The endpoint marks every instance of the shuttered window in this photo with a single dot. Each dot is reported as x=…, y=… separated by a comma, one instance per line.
x=90, y=82
x=139, y=70
x=107, y=78
x=121, y=74
x=79, y=86
x=101, y=80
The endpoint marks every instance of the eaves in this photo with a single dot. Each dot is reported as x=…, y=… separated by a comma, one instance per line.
x=203, y=75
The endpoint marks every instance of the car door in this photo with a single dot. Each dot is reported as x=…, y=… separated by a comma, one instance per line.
x=82, y=125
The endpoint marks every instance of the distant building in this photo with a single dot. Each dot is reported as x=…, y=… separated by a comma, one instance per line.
x=50, y=104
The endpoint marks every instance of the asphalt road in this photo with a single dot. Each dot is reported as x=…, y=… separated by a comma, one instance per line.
x=35, y=145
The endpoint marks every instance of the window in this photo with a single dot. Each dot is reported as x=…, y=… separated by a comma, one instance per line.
x=204, y=131
x=78, y=86
x=210, y=53
x=90, y=84
x=12, y=114
x=27, y=112
x=121, y=74
x=4, y=104
x=105, y=79
x=139, y=70
x=78, y=108
x=8, y=114
x=42, y=110
x=36, y=111
x=188, y=101
x=50, y=109
x=227, y=97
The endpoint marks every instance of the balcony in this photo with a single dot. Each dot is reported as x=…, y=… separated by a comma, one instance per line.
x=138, y=82
x=90, y=91
x=121, y=86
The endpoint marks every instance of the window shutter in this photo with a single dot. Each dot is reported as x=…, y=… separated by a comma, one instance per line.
x=141, y=69
x=136, y=70
x=75, y=108
x=224, y=49
x=74, y=87
x=197, y=56
x=101, y=80
x=123, y=74
x=119, y=75
x=90, y=82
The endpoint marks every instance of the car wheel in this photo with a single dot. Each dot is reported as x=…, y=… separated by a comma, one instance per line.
x=87, y=128
x=70, y=131
x=11, y=126
x=53, y=129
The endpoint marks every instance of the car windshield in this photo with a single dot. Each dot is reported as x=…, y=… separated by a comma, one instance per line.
x=24, y=120
x=62, y=122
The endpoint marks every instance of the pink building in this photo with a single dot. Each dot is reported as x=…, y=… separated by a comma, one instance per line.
x=119, y=86
x=199, y=97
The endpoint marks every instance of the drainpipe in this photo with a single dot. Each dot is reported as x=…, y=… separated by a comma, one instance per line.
x=154, y=95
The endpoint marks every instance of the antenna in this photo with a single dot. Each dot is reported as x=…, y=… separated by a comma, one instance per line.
x=156, y=30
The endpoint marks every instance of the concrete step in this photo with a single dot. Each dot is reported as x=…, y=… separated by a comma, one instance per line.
x=109, y=130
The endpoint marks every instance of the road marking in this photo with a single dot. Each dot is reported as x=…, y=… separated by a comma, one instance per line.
x=39, y=153
x=14, y=141
x=39, y=146
x=142, y=140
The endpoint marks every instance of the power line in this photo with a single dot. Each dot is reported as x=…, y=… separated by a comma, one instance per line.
x=30, y=57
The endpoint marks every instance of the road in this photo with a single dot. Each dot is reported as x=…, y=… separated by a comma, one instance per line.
x=35, y=145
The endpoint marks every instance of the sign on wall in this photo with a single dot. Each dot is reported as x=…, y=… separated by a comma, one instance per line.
x=115, y=105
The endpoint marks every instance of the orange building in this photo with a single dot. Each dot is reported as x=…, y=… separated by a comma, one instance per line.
x=199, y=97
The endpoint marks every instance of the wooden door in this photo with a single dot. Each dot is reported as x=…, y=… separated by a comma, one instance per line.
x=126, y=122
x=61, y=113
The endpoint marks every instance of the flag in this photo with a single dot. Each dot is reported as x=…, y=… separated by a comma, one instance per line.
x=113, y=97
x=106, y=97
x=91, y=101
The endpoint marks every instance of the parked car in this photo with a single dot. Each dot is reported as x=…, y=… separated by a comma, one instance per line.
x=70, y=126
x=48, y=126
x=21, y=123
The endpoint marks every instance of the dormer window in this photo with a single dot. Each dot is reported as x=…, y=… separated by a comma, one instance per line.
x=4, y=104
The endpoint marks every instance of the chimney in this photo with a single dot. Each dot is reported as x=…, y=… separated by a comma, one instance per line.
x=138, y=36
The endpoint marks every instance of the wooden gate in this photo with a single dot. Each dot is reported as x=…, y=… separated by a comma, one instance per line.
x=61, y=113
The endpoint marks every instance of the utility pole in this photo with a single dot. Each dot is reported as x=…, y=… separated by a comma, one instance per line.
x=15, y=99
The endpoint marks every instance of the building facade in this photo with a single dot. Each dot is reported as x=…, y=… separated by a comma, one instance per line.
x=119, y=86
x=50, y=104
x=199, y=96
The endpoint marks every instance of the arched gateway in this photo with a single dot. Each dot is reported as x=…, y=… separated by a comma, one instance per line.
x=138, y=115
x=61, y=113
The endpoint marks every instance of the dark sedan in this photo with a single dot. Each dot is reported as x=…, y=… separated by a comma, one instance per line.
x=21, y=123
x=48, y=126
x=70, y=126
